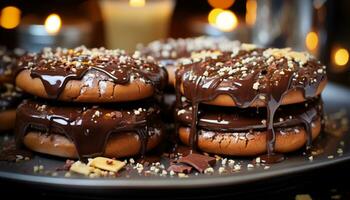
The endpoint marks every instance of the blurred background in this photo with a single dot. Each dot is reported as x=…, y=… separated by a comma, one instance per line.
x=321, y=27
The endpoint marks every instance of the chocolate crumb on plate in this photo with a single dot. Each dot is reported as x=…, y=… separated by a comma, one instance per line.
x=198, y=161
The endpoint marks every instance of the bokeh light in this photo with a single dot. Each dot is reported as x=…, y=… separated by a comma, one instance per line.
x=10, y=17
x=213, y=15
x=311, y=41
x=53, y=23
x=251, y=7
x=226, y=21
x=223, y=4
x=341, y=57
x=137, y=3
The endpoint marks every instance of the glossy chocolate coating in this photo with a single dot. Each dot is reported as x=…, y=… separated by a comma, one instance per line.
x=248, y=74
x=55, y=67
x=233, y=119
x=88, y=127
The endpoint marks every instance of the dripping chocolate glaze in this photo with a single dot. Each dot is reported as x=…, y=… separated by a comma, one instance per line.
x=231, y=119
x=88, y=127
x=56, y=67
x=248, y=75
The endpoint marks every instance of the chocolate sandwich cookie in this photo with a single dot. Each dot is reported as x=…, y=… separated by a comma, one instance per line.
x=169, y=51
x=235, y=131
x=10, y=96
x=70, y=130
x=250, y=77
x=89, y=75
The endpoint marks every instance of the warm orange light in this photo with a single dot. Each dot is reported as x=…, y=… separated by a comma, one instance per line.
x=311, y=41
x=341, y=57
x=137, y=3
x=53, y=23
x=226, y=21
x=213, y=15
x=224, y=4
x=250, y=16
x=10, y=17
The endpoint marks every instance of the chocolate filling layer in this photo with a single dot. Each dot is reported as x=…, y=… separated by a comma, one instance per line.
x=215, y=118
x=88, y=127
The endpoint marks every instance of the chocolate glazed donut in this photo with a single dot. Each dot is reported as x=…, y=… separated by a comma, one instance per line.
x=235, y=131
x=88, y=127
x=170, y=51
x=251, y=76
x=57, y=68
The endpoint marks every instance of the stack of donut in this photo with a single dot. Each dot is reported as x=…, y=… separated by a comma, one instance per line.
x=250, y=101
x=170, y=52
x=10, y=96
x=90, y=102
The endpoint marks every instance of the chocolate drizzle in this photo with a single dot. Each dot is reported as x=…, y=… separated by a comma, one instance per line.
x=248, y=76
x=232, y=119
x=57, y=67
x=88, y=127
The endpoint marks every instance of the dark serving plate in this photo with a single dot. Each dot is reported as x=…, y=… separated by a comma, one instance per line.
x=337, y=105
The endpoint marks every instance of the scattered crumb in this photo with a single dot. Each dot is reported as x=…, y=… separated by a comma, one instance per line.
x=182, y=175
x=266, y=167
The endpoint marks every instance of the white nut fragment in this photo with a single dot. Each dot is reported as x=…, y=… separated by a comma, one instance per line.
x=256, y=85
x=81, y=168
x=106, y=164
x=248, y=47
x=209, y=170
x=182, y=175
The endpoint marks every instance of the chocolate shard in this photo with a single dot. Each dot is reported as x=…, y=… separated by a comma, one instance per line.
x=198, y=161
x=180, y=168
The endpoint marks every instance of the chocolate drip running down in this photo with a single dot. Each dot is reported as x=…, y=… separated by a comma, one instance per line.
x=97, y=123
x=249, y=75
x=231, y=119
x=57, y=67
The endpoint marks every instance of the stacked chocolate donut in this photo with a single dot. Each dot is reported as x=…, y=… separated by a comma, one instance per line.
x=170, y=52
x=250, y=101
x=89, y=102
x=10, y=96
